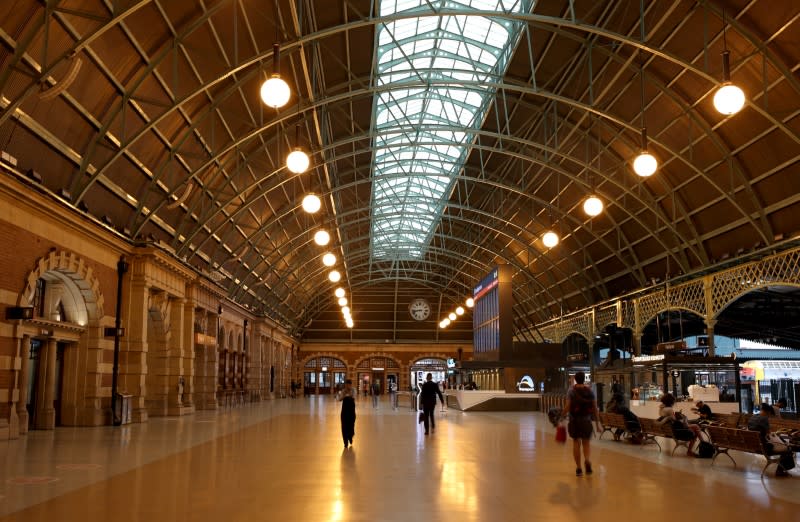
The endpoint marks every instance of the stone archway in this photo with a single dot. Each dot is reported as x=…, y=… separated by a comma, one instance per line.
x=68, y=304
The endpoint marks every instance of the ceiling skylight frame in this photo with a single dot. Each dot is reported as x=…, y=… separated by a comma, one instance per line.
x=440, y=80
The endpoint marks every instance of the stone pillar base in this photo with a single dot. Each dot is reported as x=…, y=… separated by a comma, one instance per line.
x=139, y=415
x=23, y=421
x=180, y=410
x=5, y=431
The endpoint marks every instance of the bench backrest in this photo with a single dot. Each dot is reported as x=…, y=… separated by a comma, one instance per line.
x=733, y=438
x=777, y=424
x=653, y=427
x=612, y=419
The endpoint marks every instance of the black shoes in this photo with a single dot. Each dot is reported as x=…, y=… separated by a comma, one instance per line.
x=578, y=472
x=588, y=468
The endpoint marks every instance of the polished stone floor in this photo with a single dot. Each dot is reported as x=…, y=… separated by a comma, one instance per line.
x=283, y=460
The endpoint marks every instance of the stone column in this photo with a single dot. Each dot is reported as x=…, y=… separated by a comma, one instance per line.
x=174, y=369
x=24, y=351
x=133, y=352
x=189, y=368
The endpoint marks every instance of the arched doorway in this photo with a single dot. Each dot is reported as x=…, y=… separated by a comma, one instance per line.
x=421, y=367
x=323, y=375
x=54, y=387
x=376, y=369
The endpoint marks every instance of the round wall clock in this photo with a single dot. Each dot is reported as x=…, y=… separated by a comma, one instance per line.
x=419, y=309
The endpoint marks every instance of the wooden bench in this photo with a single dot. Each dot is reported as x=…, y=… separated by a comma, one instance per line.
x=651, y=429
x=787, y=430
x=746, y=441
x=612, y=422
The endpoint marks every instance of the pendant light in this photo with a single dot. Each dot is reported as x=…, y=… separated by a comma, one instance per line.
x=329, y=259
x=593, y=206
x=311, y=203
x=645, y=163
x=275, y=91
x=297, y=161
x=339, y=292
x=729, y=98
x=550, y=239
x=322, y=237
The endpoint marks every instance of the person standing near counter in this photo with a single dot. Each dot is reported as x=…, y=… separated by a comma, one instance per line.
x=581, y=406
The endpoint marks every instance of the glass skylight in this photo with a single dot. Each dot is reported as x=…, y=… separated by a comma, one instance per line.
x=437, y=75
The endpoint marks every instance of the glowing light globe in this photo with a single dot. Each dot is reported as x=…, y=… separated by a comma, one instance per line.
x=550, y=239
x=275, y=92
x=311, y=203
x=729, y=99
x=322, y=238
x=339, y=292
x=342, y=301
x=297, y=161
x=593, y=206
x=645, y=164
x=329, y=259
x=470, y=302
x=460, y=310
x=451, y=316
x=334, y=276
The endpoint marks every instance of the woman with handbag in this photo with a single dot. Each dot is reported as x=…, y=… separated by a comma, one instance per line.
x=581, y=406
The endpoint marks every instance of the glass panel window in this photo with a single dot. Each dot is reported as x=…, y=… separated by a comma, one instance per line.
x=457, y=59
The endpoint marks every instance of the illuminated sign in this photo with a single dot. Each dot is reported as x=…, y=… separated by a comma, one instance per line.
x=488, y=282
x=526, y=384
x=647, y=358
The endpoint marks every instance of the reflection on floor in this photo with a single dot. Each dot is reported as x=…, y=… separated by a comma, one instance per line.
x=283, y=460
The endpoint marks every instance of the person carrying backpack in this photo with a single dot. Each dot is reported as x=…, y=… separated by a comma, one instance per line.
x=581, y=406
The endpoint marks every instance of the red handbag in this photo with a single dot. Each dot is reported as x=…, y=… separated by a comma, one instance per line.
x=561, y=433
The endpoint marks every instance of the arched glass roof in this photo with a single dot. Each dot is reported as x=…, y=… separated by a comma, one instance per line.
x=435, y=74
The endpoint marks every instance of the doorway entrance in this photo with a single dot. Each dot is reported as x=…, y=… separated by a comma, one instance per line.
x=34, y=358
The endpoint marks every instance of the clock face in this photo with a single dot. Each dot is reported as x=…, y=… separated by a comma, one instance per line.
x=419, y=309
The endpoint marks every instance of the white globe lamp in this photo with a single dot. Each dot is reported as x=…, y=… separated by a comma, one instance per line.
x=729, y=99
x=275, y=92
x=297, y=161
x=339, y=292
x=550, y=239
x=645, y=164
x=334, y=276
x=322, y=237
x=593, y=206
x=311, y=203
x=329, y=259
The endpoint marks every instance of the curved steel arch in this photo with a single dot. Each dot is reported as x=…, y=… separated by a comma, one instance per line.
x=762, y=221
x=249, y=239
x=256, y=195
x=353, y=254
x=728, y=196
x=549, y=22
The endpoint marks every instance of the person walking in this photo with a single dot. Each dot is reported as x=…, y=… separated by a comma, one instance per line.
x=581, y=406
x=428, y=395
x=348, y=416
x=393, y=394
x=376, y=391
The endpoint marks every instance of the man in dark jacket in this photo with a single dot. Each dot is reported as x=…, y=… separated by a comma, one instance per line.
x=428, y=395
